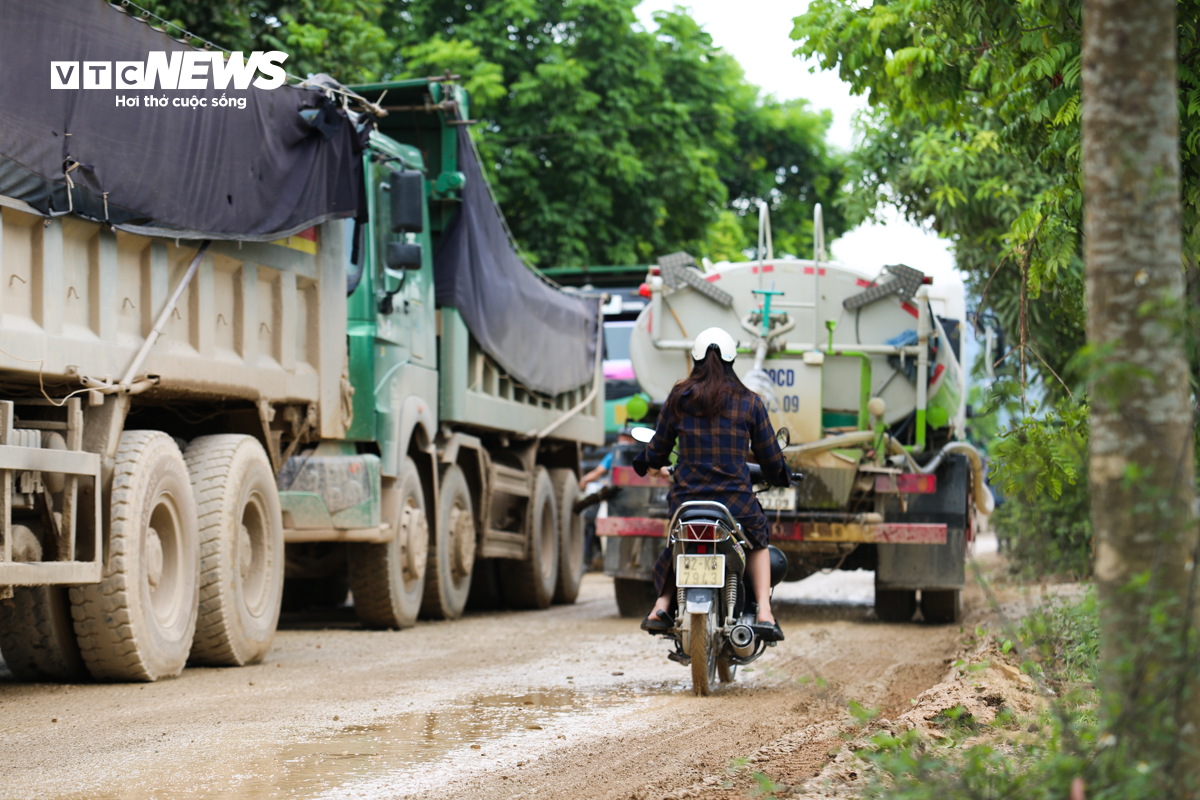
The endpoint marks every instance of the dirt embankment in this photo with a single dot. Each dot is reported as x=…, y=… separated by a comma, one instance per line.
x=979, y=681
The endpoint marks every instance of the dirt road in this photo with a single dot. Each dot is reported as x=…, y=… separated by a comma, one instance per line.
x=573, y=702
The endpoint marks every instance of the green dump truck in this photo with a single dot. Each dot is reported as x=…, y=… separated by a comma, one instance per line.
x=183, y=424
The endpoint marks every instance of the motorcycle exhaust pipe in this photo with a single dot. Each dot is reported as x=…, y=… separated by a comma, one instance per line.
x=741, y=639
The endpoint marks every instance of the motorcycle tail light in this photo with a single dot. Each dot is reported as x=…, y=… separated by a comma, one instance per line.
x=701, y=549
x=704, y=533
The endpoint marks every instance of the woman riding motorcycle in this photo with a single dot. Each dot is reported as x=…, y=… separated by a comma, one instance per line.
x=716, y=421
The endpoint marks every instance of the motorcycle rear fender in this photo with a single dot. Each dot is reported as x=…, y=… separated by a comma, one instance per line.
x=699, y=601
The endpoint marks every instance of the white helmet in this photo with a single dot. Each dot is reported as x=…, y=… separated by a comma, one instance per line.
x=715, y=336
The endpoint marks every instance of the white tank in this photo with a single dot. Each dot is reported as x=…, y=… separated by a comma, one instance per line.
x=818, y=394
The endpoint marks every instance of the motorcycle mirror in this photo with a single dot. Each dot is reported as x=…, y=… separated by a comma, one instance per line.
x=643, y=435
x=784, y=437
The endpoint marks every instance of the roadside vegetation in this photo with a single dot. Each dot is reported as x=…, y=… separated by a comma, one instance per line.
x=1036, y=755
x=980, y=128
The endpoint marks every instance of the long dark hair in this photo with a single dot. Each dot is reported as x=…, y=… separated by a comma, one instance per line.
x=709, y=382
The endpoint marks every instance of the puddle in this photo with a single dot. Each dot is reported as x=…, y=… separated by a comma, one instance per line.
x=494, y=731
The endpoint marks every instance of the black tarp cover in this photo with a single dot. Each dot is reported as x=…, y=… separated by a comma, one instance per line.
x=543, y=337
x=256, y=173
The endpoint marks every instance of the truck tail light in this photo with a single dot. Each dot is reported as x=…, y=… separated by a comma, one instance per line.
x=916, y=483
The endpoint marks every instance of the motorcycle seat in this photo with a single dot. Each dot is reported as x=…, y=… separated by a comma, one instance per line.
x=702, y=515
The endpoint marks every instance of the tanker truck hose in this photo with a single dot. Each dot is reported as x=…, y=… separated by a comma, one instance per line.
x=983, y=496
x=984, y=501
x=128, y=385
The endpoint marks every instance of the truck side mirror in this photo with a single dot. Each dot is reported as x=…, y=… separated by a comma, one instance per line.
x=401, y=255
x=408, y=197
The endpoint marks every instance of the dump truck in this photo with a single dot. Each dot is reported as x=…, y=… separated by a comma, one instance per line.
x=869, y=383
x=187, y=420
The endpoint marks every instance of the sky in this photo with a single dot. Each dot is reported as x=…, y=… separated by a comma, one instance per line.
x=756, y=33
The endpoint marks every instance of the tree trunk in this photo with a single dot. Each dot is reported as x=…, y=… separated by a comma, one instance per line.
x=1141, y=475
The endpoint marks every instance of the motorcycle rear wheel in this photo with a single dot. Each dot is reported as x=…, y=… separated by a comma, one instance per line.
x=726, y=671
x=703, y=645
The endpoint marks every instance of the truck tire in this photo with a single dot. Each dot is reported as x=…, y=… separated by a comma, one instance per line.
x=388, y=580
x=37, y=638
x=941, y=606
x=451, y=549
x=530, y=582
x=570, y=546
x=138, y=622
x=241, y=549
x=895, y=605
x=635, y=597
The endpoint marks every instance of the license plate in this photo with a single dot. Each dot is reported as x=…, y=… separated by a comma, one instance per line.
x=700, y=571
x=778, y=499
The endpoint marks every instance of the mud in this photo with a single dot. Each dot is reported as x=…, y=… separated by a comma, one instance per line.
x=572, y=702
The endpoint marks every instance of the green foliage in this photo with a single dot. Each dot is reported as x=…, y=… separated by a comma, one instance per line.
x=1065, y=639
x=610, y=144
x=975, y=128
x=1043, y=537
x=764, y=786
x=1039, y=456
x=340, y=37
x=1040, y=467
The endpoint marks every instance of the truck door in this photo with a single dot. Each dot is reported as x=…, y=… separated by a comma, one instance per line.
x=404, y=297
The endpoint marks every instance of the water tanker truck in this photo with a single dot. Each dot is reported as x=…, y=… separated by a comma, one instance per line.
x=189, y=419
x=869, y=383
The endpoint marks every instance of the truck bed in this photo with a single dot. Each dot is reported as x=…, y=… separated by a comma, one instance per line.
x=258, y=321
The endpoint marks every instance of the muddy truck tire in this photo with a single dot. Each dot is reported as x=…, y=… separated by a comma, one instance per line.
x=451, y=549
x=941, y=606
x=241, y=544
x=571, y=540
x=895, y=605
x=530, y=582
x=37, y=636
x=137, y=623
x=388, y=580
x=635, y=597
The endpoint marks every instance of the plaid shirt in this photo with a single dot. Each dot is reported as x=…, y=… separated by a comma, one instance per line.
x=712, y=456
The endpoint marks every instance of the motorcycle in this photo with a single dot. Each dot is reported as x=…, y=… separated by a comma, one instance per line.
x=716, y=619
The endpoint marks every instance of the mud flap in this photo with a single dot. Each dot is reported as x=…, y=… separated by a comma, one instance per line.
x=925, y=566
x=632, y=556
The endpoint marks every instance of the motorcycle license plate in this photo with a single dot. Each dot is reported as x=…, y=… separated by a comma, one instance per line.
x=778, y=499
x=700, y=571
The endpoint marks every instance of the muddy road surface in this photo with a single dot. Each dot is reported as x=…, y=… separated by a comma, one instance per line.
x=573, y=702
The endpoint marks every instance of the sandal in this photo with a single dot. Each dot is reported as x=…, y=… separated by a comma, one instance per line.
x=661, y=622
x=768, y=631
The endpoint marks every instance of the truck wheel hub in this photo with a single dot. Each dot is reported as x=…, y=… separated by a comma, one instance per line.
x=154, y=558
x=414, y=538
x=245, y=551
